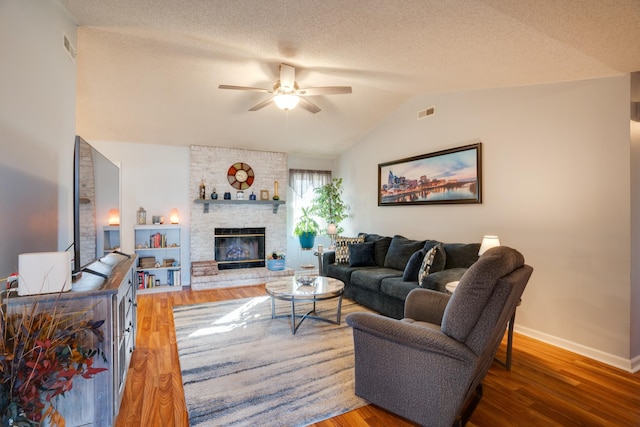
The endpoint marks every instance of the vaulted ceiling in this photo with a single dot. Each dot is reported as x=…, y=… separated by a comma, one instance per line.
x=149, y=70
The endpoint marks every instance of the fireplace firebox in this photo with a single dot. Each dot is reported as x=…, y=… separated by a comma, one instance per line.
x=239, y=247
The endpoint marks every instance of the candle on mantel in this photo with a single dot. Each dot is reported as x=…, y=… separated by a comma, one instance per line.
x=275, y=190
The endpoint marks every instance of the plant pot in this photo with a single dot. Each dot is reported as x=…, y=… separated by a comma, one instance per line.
x=307, y=240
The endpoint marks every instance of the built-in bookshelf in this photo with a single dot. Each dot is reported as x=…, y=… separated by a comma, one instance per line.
x=158, y=249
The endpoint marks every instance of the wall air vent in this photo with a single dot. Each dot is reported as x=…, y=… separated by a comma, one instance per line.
x=426, y=112
x=71, y=51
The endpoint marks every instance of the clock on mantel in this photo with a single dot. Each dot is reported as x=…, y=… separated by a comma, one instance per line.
x=240, y=176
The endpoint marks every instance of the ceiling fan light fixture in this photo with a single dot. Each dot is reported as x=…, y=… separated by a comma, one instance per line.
x=286, y=102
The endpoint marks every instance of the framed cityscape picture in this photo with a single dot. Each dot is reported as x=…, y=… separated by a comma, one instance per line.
x=447, y=176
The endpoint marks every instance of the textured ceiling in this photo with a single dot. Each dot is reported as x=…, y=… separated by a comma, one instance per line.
x=148, y=71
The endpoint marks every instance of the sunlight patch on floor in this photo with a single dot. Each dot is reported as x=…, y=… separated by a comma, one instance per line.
x=236, y=319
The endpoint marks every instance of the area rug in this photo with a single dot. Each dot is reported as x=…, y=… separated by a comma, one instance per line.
x=240, y=367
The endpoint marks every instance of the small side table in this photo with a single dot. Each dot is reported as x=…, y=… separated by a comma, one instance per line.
x=451, y=287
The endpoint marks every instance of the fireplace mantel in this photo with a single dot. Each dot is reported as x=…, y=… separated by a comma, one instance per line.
x=206, y=202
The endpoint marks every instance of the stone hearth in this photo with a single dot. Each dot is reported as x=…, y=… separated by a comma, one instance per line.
x=238, y=277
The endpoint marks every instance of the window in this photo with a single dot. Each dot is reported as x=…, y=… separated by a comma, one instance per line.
x=303, y=182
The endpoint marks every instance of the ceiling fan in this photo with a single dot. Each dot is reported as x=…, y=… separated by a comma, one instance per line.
x=286, y=93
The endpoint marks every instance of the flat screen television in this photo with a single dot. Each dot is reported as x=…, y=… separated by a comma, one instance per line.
x=96, y=192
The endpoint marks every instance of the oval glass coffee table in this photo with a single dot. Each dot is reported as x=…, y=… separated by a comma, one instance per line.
x=320, y=289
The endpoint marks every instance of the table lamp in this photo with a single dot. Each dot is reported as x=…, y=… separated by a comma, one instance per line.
x=488, y=242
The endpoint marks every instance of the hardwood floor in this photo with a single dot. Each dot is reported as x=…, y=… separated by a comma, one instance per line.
x=546, y=386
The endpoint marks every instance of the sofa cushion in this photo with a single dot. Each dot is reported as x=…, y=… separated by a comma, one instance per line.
x=370, y=277
x=461, y=255
x=341, y=271
x=342, y=247
x=400, y=250
x=397, y=288
x=380, y=248
x=412, y=268
x=438, y=280
x=361, y=254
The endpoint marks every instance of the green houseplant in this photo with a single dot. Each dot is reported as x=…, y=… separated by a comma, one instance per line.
x=306, y=229
x=328, y=204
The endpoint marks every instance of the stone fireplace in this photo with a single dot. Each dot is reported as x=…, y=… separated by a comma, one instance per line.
x=211, y=165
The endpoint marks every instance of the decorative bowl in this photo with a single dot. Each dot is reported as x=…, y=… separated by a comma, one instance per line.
x=306, y=280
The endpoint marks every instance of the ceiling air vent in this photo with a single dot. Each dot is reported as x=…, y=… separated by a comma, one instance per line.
x=71, y=51
x=426, y=112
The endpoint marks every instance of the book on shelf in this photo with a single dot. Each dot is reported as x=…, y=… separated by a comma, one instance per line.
x=148, y=280
x=141, y=281
x=158, y=240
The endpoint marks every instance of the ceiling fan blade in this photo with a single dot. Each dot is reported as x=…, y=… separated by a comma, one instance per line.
x=287, y=77
x=255, y=89
x=261, y=105
x=328, y=90
x=309, y=106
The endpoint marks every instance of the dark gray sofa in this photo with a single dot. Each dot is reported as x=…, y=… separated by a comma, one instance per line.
x=381, y=285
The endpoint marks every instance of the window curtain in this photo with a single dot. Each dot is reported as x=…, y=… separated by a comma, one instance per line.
x=301, y=180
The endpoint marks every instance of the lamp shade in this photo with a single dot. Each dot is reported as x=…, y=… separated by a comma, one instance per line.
x=114, y=217
x=488, y=242
x=174, y=216
x=332, y=230
x=286, y=102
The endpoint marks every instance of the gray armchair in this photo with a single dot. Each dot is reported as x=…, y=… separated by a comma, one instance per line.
x=429, y=366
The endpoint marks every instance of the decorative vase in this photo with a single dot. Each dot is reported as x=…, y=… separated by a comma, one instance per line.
x=202, y=190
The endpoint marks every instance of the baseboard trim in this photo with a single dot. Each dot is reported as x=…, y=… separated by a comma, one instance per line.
x=629, y=365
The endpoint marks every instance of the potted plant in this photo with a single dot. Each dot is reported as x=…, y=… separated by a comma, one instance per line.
x=306, y=229
x=328, y=204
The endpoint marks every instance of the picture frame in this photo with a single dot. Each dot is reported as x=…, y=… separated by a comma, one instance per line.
x=452, y=176
x=264, y=194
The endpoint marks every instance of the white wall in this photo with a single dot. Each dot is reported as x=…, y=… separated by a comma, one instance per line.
x=37, y=128
x=635, y=220
x=556, y=186
x=155, y=177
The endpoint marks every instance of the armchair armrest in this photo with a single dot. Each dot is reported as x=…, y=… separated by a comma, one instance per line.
x=410, y=335
x=425, y=305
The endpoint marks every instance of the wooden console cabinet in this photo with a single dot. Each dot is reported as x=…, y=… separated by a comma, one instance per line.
x=96, y=401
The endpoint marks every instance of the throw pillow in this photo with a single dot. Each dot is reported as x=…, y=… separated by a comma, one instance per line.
x=400, y=250
x=426, y=264
x=342, y=247
x=440, y=259
x=380, y=247
x=361, y=254
x=413, y=266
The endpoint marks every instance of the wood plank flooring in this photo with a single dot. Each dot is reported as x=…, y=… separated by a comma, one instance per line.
x=546, y=386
